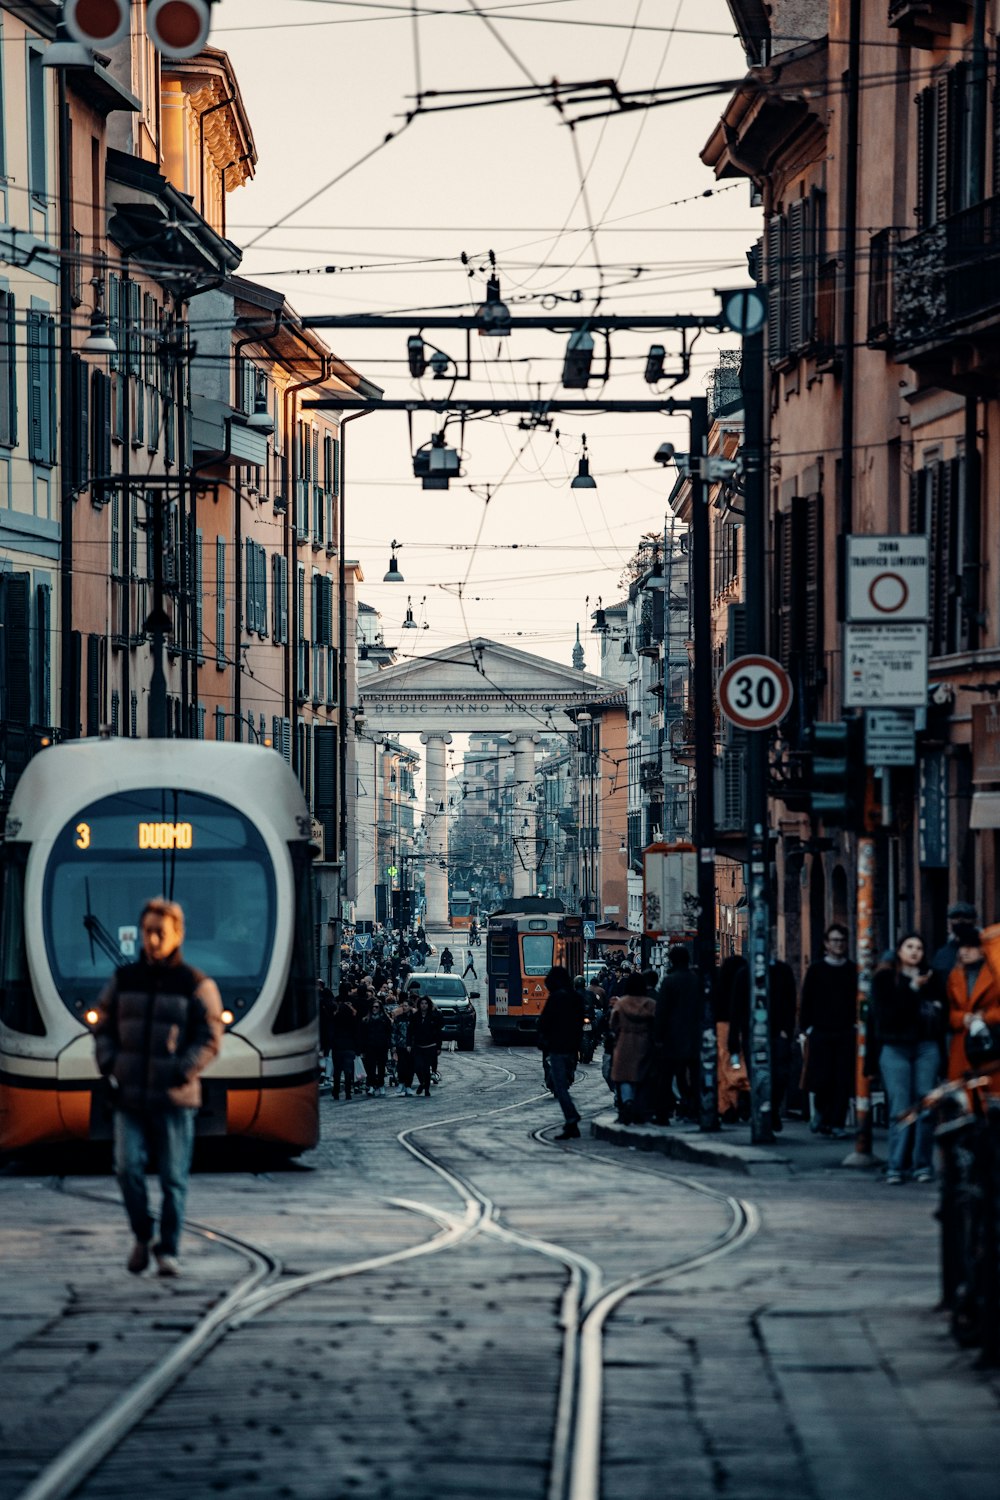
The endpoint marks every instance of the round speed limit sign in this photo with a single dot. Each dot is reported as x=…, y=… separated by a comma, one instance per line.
x=755, y=692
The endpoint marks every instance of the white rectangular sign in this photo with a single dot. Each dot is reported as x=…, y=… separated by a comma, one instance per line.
x=887, y=578
x=669, y=890
x=890, y=737
x=885, y=666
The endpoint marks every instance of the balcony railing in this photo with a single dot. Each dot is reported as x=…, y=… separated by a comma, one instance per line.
x=948, y=277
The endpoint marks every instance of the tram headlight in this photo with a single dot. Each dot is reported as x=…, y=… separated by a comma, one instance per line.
x=227, y=1018
x=91, y=1017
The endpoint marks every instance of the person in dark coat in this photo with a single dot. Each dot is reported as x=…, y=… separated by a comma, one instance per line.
x=402, y=1023
x=376, y=1034
x=909, y=1022
x=327, y=1005
x=782, y=1006
x=960, y=914
x=425, y=1042
x=828, y=1021
x=632, y=1019
x=677, y=1033
x=344, y=1036
x=560, y=1030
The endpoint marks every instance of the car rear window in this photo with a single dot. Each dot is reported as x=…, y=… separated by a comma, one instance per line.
x=440, y=989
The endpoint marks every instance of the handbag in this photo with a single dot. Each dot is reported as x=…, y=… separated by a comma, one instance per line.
x=360, y=1071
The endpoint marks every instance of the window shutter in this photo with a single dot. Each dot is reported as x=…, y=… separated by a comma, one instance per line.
x=286, y=739
x=220, y=602
x=115, y=711
x=43, y=655
x=81, y=422
x=795, y=279
x=325, y=785
x=783, y=548
x=943, y=114
x=114, y=317
x=199, y=595
x=276, y=596
x=336, y=467
x=775, y=284
x=262, y=577
x=133, y=715
x=812, y=572
x=17, y=631
x=37, y=414
x=93, y=685
x=283, y=572
x=250, y=603
x=8, y=372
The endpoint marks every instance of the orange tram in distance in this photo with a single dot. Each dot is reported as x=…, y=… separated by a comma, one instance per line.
x=94, y=829
x=526, y=937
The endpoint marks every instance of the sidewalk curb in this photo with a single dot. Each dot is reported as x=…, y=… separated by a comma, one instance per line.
x=703, y=1150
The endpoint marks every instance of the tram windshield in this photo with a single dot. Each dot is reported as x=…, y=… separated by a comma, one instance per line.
x=118, y=853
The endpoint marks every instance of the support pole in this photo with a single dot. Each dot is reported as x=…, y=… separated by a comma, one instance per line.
x=704, y=764
x=862, y=1155
x=758, y=841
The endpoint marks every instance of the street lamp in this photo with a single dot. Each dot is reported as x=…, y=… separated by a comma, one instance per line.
x=583, y=479
x=393, y=575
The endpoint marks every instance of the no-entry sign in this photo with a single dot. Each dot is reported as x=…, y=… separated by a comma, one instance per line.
x=887, y=579
x=755, y=692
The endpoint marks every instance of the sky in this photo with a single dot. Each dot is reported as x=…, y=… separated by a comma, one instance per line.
x=611, y=209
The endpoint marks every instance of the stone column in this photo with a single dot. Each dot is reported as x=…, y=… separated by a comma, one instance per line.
x=436, y=828
x=525, y=821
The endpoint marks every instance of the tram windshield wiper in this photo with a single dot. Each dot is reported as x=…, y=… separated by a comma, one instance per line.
x=96, y=931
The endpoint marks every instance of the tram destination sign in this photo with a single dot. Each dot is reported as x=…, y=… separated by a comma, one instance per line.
x=887, y=579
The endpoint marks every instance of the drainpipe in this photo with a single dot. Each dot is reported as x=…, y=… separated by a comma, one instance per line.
x=213, y=109
x=846, y=518
x=342, y=670
x=976, y=172
x=291, y=416
x=69, y=683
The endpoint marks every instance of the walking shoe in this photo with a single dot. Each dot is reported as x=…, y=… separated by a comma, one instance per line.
x=893, y=1179
x=166, y=1264
x=924, y=1174
x=138, y=1258
x=569, y=1132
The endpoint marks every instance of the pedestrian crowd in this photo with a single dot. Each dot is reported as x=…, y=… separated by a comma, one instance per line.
x=928, y=1020
x=379, y=1036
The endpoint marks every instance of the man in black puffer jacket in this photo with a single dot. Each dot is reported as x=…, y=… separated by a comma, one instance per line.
x=159, y=1026
x=560, y=1031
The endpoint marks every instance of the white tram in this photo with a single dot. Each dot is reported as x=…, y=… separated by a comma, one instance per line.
x=96, y=828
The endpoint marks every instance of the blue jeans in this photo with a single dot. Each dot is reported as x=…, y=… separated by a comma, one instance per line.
x=558, y=1067
x=909, y=1071
x=170, y=1132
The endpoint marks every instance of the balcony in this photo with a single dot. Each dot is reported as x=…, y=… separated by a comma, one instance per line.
x=946, y=301
x=922, y=23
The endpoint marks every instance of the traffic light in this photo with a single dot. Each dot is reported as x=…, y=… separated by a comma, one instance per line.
x=97, y=23
x=837, y=772
x=179, y=28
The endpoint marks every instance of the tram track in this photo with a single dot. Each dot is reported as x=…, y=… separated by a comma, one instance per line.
x=586, y=1305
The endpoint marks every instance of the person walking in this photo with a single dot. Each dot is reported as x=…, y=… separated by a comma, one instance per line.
x=909, y=1021
x=447, y=960
x=345, y=1046
x=829, y=1008
x=402, y=1022
x=960, y=914
x=159, y=1025
x=560, y=1029
x=677, y=1035
x=973, y=997
x=425, y=1040
x=633, y=1019
x=376, y=1035
x=470, y=966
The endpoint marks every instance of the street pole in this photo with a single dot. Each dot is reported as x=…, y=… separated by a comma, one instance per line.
x=704, y=760
x=862, y=1155
x=758, y=839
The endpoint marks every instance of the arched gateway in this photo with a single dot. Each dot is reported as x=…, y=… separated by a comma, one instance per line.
x=464, y=689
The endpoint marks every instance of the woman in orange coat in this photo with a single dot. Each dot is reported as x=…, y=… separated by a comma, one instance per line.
x=973, y=994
